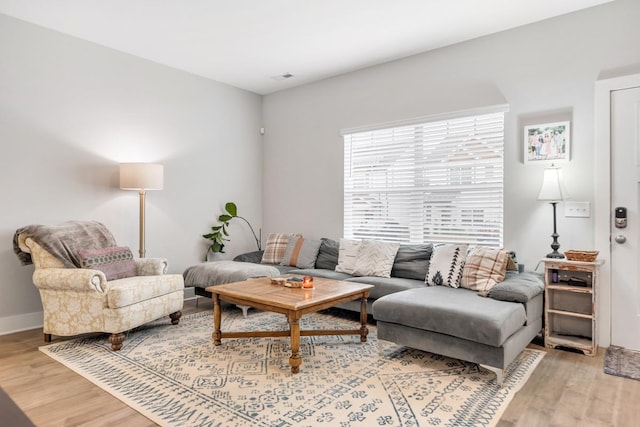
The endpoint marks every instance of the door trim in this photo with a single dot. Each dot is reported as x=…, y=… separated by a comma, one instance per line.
x=602, y=194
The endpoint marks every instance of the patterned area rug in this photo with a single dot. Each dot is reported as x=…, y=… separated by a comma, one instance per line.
x=175, y=376
x=621, y=362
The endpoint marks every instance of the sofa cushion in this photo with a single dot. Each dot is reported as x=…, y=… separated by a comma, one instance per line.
x=375, y=258
x=457, y=312
x=484, y=268
x=321, y=272
x=132, y=290
x=387, y=285
x=116, y=262
x=275, y=247
x=301, y=252
x=520, y=287
x=446, y=264
x=328, y=254
x=347, y=254
x=412, y=261
x=255, y=257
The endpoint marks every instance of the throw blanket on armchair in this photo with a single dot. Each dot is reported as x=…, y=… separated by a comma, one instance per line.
x=65, y=240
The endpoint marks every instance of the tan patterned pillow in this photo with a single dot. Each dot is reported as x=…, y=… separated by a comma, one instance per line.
x=275, y=247
x=484, y=268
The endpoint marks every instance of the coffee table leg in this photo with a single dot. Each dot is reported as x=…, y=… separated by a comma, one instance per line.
x=364, y=331
x=294, y=327
x=217, y=317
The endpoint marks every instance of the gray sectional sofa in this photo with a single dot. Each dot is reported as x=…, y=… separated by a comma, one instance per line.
x=490, y=330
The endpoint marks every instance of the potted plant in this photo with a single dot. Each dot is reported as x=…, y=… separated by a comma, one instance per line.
x=219, y=233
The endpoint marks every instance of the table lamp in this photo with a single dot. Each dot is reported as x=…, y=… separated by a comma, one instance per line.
x=553, y=190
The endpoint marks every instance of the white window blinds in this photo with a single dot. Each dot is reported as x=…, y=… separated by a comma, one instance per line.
x=440, y=181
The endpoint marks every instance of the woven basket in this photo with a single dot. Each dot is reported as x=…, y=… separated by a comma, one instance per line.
x=587, y=256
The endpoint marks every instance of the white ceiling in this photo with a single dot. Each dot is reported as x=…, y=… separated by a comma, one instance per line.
x=251, y=43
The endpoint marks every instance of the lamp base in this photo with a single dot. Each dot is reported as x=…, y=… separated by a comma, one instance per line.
x=555, y=245
x=555, y=255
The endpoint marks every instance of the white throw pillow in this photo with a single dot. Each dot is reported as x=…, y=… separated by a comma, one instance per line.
x=347, y=254
x=446, y=265
x=375, y=258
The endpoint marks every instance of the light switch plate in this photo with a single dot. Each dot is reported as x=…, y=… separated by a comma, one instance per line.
x=577, y=209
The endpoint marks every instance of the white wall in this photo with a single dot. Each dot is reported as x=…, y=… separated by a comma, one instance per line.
x=544, y=71
x=70, y=111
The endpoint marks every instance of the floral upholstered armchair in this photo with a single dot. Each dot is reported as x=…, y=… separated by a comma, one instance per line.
x=88, y=284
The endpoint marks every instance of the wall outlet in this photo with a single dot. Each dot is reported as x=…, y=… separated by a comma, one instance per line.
x=577, y=209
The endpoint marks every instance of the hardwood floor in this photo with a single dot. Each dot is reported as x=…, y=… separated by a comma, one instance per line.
x=566, y=389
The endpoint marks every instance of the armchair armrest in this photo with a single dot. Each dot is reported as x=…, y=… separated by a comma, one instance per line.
x=77, y=279
x=151, y=266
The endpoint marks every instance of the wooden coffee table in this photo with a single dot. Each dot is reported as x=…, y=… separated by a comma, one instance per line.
x=293, y=303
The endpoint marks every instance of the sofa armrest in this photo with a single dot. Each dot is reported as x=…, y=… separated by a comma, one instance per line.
x=151, y=266
x=75, y=279
x=518, y=287
x=254, y=257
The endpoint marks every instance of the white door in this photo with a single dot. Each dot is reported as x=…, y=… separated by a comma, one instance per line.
x=625, y=242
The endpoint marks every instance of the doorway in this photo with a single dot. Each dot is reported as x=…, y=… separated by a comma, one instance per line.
x=605, y=232
x=625, y=178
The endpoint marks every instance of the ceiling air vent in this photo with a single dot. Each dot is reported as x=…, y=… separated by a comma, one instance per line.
x=284, y=76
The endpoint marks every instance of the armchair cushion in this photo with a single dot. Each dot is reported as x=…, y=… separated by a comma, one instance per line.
x=133, y=290
x=116, y=262
x=151, y=266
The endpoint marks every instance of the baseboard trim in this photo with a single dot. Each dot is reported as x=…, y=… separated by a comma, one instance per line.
x=21, y=322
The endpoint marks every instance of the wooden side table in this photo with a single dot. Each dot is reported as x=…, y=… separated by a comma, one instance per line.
x=570, y=304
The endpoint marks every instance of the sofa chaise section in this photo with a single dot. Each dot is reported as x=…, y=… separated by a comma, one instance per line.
x=460, y=323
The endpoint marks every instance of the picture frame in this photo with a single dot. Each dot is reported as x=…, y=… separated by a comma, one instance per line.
x=547, y=143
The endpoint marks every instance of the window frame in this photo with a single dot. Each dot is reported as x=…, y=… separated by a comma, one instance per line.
x=473, y=214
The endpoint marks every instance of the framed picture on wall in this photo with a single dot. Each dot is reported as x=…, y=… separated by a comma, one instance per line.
x=546, y=143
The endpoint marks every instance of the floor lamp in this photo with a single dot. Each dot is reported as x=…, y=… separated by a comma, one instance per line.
x=553, y=190
x=141, y=177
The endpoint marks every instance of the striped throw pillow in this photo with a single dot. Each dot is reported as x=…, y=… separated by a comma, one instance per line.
x=275, y=247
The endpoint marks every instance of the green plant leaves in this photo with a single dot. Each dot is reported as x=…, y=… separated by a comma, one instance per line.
x=231, y=208
x=218, y=232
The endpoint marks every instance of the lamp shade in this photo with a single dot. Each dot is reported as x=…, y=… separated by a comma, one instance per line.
x=552, y=185
x=141, y=176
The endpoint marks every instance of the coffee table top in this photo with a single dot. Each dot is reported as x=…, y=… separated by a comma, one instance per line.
x=260, y=291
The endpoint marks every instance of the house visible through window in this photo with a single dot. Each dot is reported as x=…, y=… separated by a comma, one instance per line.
x=436, y=181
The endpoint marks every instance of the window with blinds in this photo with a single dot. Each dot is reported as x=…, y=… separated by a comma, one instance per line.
x=440, y=181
